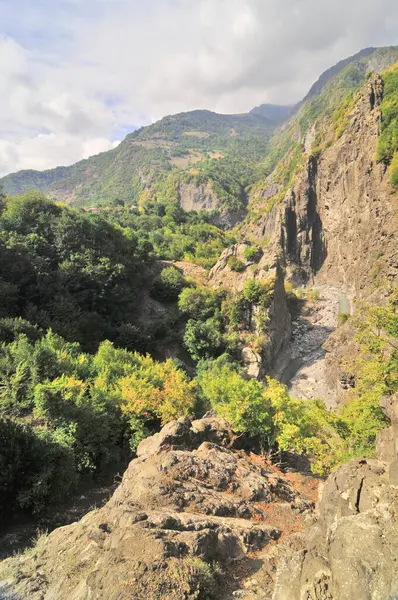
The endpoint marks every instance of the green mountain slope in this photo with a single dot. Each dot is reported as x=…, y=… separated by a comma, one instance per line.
x=202, y=159
x=192, y=147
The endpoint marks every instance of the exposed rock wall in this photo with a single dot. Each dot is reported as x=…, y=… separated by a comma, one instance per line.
x=340, y=218
x=202, y=197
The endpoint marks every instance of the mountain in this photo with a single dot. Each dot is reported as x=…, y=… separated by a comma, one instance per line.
x=202, y=159
x=276, y=113
x=197, y=146
x=280, y=363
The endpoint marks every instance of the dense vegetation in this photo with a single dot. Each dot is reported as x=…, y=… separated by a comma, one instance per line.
x=387, y=150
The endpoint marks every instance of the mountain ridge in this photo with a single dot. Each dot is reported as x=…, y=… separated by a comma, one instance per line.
x=200, y=154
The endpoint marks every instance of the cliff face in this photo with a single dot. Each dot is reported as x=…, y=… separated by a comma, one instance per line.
x=339, y=220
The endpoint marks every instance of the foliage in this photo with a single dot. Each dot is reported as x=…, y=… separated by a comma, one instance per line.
x=235, y=264
x=35, y=469
x=239, y=401
x=199, y=303
x=203, y=339
x=388, y=141
x=168, y=285
x=56, y=262
x=78, y=410
x=252, y=253
x=259, y=292
x=271, y=415
x=376, y=372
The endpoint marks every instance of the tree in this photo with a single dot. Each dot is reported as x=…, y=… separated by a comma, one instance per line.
x=203, y=339
x=198, y=302
x=168, y=285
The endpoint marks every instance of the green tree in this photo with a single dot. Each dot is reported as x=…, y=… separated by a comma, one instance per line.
x=203, y=339
x=168, y=285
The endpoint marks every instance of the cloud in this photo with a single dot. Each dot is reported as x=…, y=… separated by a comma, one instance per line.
x=76, y=74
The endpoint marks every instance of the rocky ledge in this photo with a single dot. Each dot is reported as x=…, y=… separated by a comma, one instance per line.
x=352, y=550
x=189, y=506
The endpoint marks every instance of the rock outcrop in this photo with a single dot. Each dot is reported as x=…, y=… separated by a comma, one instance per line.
x=191, y=499
x=277, y=334
x=352, y=551
x=339, y=220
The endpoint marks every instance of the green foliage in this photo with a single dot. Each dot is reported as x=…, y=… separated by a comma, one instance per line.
x=35, y=469
x=168, y=285
x=56, y=262
x=340, y=116
x=272, y=416
x=239, y=401
x=376, y=373
x=199, y=303
x=235, y=264
x=79, y=411
x=203, y=339
x=394, y=170
x=252, y=253
x=259, y=292
x=388, y=142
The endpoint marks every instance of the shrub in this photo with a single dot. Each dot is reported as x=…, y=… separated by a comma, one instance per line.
x=235, y=264
x=35, y=469
x=343, y=318
x=252, y=253
x=198, y=303
x=168, y=285
x=258, y=292
x=203, y=340
x=394, y=170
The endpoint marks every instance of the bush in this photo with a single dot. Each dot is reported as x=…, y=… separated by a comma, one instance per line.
x=253, y=291
x=343, y=318
x=168, y=285
x=35, y=469
x=252, y=253
x=235, y=264
x=273, y=417
x=198, y=303
x=203, y=340
x=394, y=170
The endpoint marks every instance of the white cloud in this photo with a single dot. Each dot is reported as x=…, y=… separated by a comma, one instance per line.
x=75, y=71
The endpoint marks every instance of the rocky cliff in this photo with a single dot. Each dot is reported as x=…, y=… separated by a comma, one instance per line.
x=339, y=219
x=278, y=331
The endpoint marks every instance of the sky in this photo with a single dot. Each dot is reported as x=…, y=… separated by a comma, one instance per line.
x=77, y=75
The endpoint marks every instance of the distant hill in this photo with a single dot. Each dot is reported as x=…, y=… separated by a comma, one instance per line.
x=199, y=144
x=275, y=113
x=200, y=158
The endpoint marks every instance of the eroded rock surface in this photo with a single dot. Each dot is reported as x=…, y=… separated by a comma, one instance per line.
x=189, y=496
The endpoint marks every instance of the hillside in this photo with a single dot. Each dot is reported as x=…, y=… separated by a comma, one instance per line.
x=204, y=160
x=214, y=155
x=238, y=371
